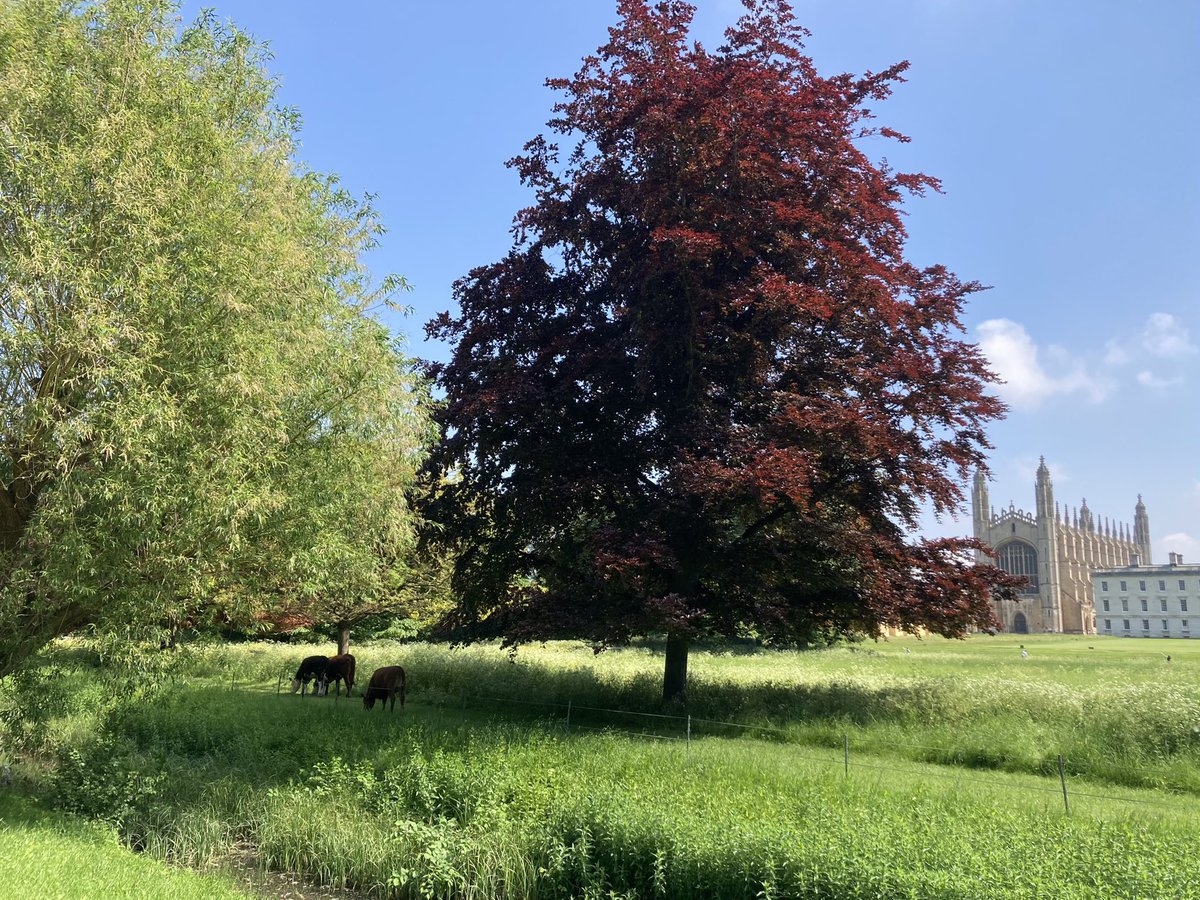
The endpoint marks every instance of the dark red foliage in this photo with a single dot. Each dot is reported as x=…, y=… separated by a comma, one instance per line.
x=705, y=391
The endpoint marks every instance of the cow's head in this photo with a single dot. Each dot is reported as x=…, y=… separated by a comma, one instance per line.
x=295, y=685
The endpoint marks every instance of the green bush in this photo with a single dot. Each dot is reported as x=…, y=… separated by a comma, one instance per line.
x=108, y=781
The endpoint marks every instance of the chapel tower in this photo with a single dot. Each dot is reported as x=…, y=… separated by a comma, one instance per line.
x=1047, y=532
x=1141, y=531
x=1056, y=549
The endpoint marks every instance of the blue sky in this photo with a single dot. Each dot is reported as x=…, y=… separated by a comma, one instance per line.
x=1066, y=134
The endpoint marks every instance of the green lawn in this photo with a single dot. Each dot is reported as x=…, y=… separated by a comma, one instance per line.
x=53, y=857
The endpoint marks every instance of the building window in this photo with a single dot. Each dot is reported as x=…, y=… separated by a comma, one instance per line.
x=1162, y=585
x=1104, y=585
x=1126, y=621
x=1124, y=604
x=1164, y=621
x=1106, y=604
x=1108, y=624
x=1123, y=588
x=1145, y=605
x=1162, y=602
x=1145, y=624
x=1184, y=623
x=1141, y=585
x=1020, y=558
x=1183, y=604
x=1182, y=585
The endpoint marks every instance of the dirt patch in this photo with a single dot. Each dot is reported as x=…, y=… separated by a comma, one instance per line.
x=243, y=864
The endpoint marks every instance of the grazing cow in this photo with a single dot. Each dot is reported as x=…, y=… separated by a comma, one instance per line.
x=386, y=684
x=313, y=668
x=340, y=668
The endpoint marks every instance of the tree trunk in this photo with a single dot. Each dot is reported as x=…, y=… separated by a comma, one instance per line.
x=343, y=638
x=675, y=673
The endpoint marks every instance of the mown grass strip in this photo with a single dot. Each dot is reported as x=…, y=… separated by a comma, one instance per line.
x=54, y=857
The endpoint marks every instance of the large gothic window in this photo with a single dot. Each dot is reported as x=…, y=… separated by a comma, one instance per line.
x=1020, y=558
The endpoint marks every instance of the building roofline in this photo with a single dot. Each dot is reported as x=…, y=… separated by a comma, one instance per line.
x=1154, y=569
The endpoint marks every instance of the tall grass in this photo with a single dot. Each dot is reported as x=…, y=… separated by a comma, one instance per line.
x=1118, y=714
x=494, y=799
x=425, y=807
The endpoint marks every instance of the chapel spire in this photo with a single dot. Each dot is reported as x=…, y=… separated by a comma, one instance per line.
x=1044, y=492
x=1141, y=531
x=979, y=504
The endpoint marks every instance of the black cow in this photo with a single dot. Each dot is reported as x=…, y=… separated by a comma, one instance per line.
x=340, y=668
x=313, y=668
x=386, y=684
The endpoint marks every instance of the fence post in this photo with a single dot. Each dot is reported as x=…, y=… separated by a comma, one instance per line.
x=689, y=735
x=568, y=715
x=279, y=683
x=846, y=750
x=1062, y=776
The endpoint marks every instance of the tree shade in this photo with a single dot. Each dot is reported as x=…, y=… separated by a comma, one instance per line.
x=201, y=416
x=705, y=392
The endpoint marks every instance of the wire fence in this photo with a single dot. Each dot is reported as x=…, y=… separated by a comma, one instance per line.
x=693, y=728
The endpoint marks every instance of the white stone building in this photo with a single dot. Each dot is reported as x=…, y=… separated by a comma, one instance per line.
x=1057, y=550
x=1148, y=601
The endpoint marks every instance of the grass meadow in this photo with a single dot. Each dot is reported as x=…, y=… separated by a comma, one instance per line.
x=551, y=774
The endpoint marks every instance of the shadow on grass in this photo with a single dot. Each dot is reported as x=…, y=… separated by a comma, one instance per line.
x=445, y=677
x=203, y=731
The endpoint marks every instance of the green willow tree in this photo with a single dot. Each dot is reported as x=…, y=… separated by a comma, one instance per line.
x=199, y=414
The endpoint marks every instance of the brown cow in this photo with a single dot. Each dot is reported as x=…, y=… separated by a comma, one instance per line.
x=339, y=669
x=386, y=684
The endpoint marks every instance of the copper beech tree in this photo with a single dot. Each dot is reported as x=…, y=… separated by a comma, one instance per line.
x=705, y=393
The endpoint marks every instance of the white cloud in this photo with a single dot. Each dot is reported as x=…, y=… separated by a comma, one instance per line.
x=1163, y=337
x=1148, y=379
x=1166, y=336
x=1179, y=542
x=1014, y=357
x=1115, y=354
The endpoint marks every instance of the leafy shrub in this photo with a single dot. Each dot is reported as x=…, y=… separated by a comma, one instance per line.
x=35, y=696
x=108, y=781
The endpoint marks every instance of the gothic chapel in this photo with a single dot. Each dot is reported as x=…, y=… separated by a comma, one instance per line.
x=1057, y=551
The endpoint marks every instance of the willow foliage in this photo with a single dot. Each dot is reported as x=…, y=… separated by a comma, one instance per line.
x=199, y=413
